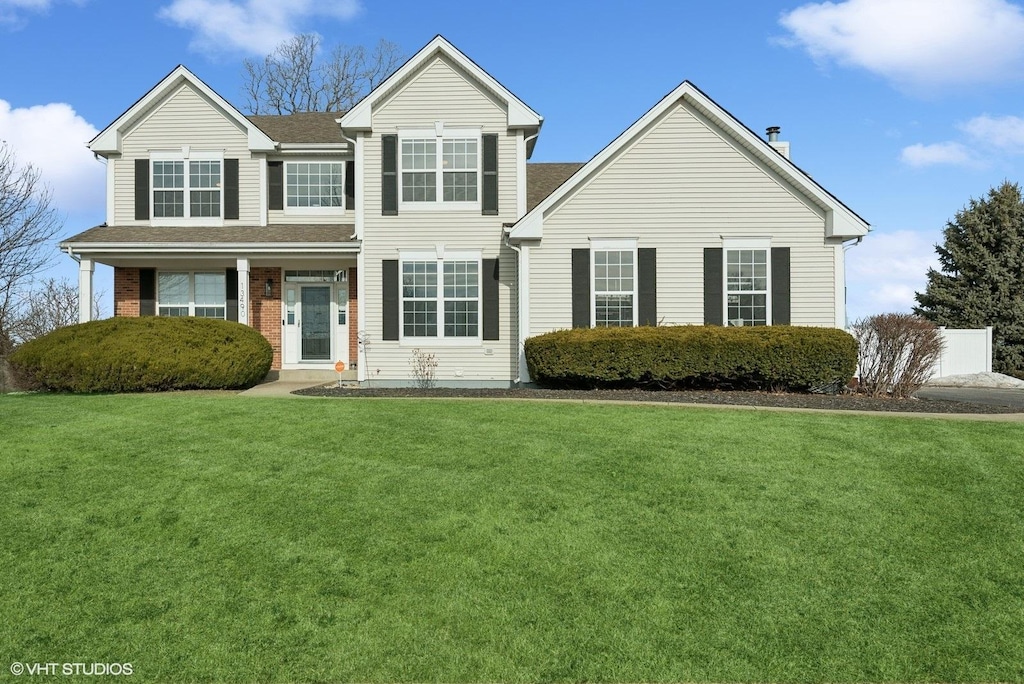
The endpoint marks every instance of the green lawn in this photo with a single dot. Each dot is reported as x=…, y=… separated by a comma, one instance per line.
x=221, y=538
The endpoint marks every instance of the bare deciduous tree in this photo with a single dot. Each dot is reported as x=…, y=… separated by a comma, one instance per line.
x=294, y=79
x=28, y=224
x=50, y=305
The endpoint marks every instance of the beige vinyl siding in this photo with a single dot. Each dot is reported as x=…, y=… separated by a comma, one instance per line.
x=682, y=187
x=186, y=117
x=440, y=92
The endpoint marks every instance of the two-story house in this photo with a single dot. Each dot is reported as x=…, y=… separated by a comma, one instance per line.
x=416, y=221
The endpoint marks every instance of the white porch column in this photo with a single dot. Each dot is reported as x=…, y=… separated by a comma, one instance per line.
x=86, y=267
x=243, y=291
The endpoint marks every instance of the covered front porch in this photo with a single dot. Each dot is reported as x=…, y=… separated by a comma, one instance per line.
x=301, y=296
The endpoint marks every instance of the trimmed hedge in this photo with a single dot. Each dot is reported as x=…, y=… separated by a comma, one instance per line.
x=763, y=357
x=148, y=354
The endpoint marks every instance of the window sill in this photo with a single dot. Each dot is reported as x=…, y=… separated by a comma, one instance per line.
x=438, y=206
x=211, y=221
x=413, y=342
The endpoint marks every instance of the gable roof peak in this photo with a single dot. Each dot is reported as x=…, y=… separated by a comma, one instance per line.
x=840, y=220
x=109, y=140
x=519, y=114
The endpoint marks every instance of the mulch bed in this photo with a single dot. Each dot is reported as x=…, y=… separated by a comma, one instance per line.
x=853, y=402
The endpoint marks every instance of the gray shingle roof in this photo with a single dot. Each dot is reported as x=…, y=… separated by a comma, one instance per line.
x=543, y=178
x=305, y=127
x=220, y=235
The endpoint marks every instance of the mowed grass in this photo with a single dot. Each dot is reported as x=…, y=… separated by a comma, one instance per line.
x=217, y=538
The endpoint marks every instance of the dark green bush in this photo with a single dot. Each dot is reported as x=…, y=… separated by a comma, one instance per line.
x=147, y=354
x=765, y=357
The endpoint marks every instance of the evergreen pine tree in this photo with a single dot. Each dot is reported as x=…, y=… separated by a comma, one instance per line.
x=982, y=278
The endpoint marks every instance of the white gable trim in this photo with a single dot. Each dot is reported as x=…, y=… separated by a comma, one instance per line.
x=109, y=139
x=520, y=115
x=840, y=221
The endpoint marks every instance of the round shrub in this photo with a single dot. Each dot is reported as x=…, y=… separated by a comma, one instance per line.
x=148, y=354
x=764, y=357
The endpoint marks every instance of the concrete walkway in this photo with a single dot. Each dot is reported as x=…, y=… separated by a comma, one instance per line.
x=280, y=388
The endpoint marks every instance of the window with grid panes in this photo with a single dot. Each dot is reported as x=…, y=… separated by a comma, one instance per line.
x=455, y=170
x=446, y=309
x=746, y=285
x=614, y=288
x=314, y=185
x=201, y=185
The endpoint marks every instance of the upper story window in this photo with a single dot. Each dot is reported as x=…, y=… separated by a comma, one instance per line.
x=747, y=282
x=315, y=186
x=440, y=169
x=186, y=186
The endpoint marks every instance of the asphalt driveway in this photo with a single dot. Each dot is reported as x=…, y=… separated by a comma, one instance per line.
x=993, y=396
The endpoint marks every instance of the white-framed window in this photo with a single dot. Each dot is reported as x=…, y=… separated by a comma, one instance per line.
x=186, y=186
x=201, y=294
x=314, y=186
x=441, y=296
x=613, y=275
x=747, y=287
x=439, y=168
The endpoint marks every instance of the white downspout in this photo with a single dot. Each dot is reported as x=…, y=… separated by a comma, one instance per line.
x=520, y=332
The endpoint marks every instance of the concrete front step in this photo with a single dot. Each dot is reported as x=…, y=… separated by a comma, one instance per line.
x=310, y=375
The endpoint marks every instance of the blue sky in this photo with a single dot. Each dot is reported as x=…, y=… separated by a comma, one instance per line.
x=903, y=111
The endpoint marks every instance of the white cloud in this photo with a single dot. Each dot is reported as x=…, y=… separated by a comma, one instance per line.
x=1004, y=133
x=988, y=137
x=886, y=269
x=944, y=153
x=52, y=138
x=919, y=45
x=12, y=12
x=250, y=26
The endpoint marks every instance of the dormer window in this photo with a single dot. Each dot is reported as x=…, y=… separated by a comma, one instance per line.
x=440, y=169
x=186, y=187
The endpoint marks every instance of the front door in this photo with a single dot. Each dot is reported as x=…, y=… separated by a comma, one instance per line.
x=315, y=322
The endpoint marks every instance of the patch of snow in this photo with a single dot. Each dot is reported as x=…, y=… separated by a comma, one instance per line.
x=978, y=380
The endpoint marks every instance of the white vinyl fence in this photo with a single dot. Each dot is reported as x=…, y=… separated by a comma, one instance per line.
x=964, y=351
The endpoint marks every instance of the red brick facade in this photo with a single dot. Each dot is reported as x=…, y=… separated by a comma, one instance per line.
x=353, y=318
x=126, y=291
x=264, y=313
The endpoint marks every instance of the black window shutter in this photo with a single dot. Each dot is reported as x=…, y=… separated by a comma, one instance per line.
x=581, y=288
x=780, y=286
x=713, y=302
x=231, y=285
x=231, y=188
x=647, y=277
x=490, y=303
x=147, y=292
x=142, y=189
x=489, y=206
x=389, y=176
x=391, y=303
x=350, y=185
x=275, y=185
